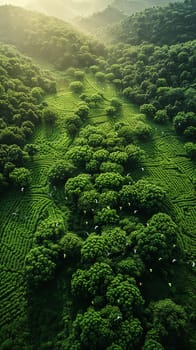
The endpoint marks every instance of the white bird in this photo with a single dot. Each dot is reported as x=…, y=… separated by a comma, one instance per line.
x=57, y=224
x=128, y=174
x=150, y=270
x=22, y=189
x=169, y=284
x=64, y=255
x=118, y=317
x=96, y=201
x=142, y=169
x=160, y=259
x=96, y=227
x=135, y=251
x=86, y=222
x=129, y=204
x=135, y=211
x=174, y=260
x=120, y=208
x=193, y=264
x=140, y=283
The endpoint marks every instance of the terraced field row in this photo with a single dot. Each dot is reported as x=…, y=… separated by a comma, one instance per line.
x=63, y=103
x=39, y=170
x=168, y=166
x=20, y=214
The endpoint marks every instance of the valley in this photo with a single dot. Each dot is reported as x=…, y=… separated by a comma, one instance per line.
x=97, y=181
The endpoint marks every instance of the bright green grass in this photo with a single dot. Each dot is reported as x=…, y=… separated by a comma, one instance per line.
x=165, y=163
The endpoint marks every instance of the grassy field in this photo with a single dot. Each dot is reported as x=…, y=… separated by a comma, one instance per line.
x=20, y=213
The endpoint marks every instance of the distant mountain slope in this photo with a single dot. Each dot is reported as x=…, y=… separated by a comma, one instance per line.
x=117, y=11
x=162, y=25
x=132, y=6
x=68, y=9
x=109, y=16
x=47, y=38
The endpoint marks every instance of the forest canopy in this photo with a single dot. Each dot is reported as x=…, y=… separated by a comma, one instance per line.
x=47, y=38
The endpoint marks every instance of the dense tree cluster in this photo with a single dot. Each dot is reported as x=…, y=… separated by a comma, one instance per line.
x=131, y=6
x=60, y=172
x=42, y=259
x=94, y=151
x=22, y=86
x=113, y=249
x=74, y=122
x=48, y=38
x=159, y=79
x=156, y=25
x=157, y=241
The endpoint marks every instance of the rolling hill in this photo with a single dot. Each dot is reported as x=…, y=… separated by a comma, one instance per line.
x=47, y=38
x=131, y=6
x=100, y=20
x=162, y=25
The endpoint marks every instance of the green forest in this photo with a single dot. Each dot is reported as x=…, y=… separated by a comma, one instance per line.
x=97, y=177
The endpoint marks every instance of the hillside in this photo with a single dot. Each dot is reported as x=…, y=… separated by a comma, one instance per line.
x=164, y=25
x=47, y=38
x=163, y=76
x=97, y=24
x=97, y=184
x=71, y=9
x=58, y=229
x=22, y=87
x=67, y=10
x=100, y=20
x=131, y=6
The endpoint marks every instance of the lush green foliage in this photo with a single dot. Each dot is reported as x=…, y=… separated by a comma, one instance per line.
x=161, y=80
x=132, y=6
x=156, y=25
x=97, y=252
x=94, y=23
x=47, y=38
x=22, y=85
